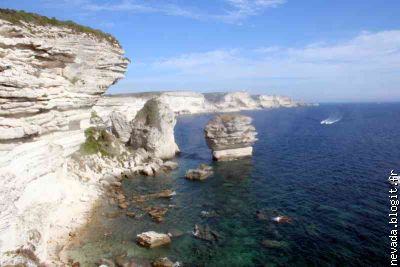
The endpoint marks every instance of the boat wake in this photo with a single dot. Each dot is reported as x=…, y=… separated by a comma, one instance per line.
x=332, y=119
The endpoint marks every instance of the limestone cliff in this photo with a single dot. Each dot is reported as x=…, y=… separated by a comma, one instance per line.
x=185, y=102
x=51, y=74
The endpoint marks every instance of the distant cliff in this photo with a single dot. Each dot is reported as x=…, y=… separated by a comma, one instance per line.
x=185, y=102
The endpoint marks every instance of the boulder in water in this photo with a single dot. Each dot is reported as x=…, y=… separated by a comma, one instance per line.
x=201, y=173
x=205, y=233
x=153, y=239
x=169, y=165
x=157, y=213
x=162, y=262
x=273, y=243
x=208, y=214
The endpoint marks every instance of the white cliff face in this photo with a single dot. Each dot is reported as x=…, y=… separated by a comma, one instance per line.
x=237, y=101
x=50, y=77
x=153, y=129
x=278, y=101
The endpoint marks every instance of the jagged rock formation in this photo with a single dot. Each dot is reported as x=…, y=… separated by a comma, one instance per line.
x=191, y=102
x=153, y=129
x=230, y=136
x=50, y=77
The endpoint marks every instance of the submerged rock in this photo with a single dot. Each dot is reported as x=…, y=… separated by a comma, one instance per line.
x=282, y=219
x=168, y=193
x=163, y=194
x=162, y=262
x=273, y=243
x=208, y=214
x=123, y=204
x=175, y=233
x=153, y=239
x=105, y=263
x=131, y=214
x=153, y=129
x=157, y=213
x=201, y=173
x=169, y=165
x=123, y=261
x=230, y=136
x=205, y=233
x=261, y=215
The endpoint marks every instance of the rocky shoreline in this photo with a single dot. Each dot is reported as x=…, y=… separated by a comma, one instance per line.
x=63, y=145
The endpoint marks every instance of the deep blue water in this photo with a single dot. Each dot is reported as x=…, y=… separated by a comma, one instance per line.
x=330, y=179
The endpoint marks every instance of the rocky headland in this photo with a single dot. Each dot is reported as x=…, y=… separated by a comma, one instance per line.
x=63, y=144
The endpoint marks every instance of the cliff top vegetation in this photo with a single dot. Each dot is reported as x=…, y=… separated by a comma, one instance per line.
x=19, y=16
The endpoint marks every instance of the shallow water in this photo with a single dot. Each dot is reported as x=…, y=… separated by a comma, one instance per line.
x=330, y=179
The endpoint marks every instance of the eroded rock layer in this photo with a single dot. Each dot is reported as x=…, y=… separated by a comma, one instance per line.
x=230, y=136
x=51, y=76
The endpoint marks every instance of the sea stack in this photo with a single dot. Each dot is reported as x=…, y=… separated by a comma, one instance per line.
x=153, y=129
x=230, y=136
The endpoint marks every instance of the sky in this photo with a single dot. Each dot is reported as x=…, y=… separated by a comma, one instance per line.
x=314, y=50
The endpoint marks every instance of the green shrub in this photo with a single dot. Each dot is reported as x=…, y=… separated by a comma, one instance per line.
x=99, y=140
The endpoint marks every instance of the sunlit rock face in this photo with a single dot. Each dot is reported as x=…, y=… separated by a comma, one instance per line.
x=153, y=129
x=230, y=136
x=267, y=101
x=233, y=101
x=120, y=126
x=50, y=77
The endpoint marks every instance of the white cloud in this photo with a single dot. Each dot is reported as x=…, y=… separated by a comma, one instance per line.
x=234, y=11
x=244, y=8
x=125, y=5
x=368, y=65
